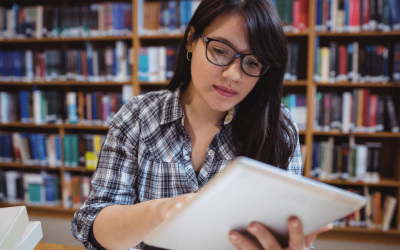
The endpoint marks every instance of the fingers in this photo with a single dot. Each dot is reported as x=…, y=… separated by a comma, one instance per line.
x=264, y=237
x=309, y=239
x=296, y=235
x=241, y=242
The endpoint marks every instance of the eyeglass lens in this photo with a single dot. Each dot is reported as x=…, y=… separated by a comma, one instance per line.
x=221, y=54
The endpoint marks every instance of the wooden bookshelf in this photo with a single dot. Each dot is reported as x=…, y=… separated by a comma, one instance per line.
x=56, y=126
x=307, y=136
x=383, y=183
x=358, y=85
x=377, y=134
x=66, y=39
x=359, y=34
x=66, y=83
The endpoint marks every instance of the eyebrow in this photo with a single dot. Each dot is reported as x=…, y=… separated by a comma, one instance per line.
x=228, y=42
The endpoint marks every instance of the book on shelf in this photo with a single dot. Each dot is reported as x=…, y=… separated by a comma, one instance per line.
x=51, y=107
x=357, y=15
x=34, y=189
x=51, y=150
x=157, y=64
x=92, y=64
x=293, y=62
x=297, y=104
x=378, y=213
x=76, y=190
x=165, y=17
x=85, y=20
x=348, y=161
x=294, y=14
x=356, y=111
x=352, y=63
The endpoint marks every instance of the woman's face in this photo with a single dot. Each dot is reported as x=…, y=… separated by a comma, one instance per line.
x=221, y=87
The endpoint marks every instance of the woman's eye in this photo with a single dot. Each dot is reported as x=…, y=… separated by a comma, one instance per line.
x=252, y=63
x=219, y=51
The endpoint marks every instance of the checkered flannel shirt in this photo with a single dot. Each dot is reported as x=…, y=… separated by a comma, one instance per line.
x=147, y=155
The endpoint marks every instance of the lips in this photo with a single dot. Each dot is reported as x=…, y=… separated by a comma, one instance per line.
x=225, y=91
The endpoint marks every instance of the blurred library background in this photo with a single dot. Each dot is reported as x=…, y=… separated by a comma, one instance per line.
x=66, y=67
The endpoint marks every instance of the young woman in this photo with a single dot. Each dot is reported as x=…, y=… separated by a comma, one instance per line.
x=224, y=100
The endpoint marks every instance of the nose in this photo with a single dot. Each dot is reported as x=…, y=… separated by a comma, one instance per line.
x=233, y=71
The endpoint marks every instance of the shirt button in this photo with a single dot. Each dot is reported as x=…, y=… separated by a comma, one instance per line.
x=187, y=157
x=210, y=152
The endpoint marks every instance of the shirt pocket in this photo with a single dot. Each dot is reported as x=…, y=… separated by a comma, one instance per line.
x=158, y=180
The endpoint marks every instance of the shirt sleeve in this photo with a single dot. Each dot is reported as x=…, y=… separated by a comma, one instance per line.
x=113, y=181
x=295, y=162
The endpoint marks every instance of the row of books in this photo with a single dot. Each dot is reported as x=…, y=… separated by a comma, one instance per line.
x=294, y=14
x=352, y=162
x=103, y=19
x=157, y=64
x=293, y=59
x=357, y=111
x=297, y=104
x=94, y=65
x=165, y=17
x=357, y=15
x=30, y=188
x=378, y=213
x=52, y=150
x=342, y=63
x=43, y=189
x=50, y=106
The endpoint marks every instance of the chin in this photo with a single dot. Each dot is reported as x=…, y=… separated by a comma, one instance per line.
x=222, y=106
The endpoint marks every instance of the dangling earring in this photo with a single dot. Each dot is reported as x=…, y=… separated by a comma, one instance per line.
x=187, y=55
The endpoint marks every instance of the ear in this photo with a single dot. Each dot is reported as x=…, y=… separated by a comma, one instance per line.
x=190, y=39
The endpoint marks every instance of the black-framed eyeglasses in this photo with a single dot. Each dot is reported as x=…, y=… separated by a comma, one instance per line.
x=222, y=54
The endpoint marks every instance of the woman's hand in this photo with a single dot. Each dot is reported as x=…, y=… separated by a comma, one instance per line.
x=266, y=241
x=169, y=205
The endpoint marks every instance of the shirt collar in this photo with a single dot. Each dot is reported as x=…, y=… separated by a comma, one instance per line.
x=172, y=110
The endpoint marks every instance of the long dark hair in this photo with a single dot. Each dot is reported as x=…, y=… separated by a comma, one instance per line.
x=260, y=130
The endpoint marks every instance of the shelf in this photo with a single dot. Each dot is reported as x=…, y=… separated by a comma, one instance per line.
x=65, y=126
x=22, y=166
x=286, y=83
x=362, y=33
x=377, y=135
x=365, y=230
x=358, y=85
x=77, y=169
x=67, y=39
x=180, y=36
x=162, y=84
x=382, y=183
x=161, y=36
x=295, y=83
x=65, y=83
x=289, y=34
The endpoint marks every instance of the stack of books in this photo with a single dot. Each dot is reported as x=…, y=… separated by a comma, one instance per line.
x=294, y=14
x=356, y=111
x=357, y=15
x=51, y=150
x=377, y=214
x=352, y=162
x=92, y=64
x=165, y=17
x=352, y=63
x=51, y=106
x=104, y=19
x=16, y=231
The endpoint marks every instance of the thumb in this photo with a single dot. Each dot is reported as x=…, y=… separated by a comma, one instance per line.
x=309, y=239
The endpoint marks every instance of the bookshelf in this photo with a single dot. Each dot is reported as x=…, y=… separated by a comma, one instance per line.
x=305, y=85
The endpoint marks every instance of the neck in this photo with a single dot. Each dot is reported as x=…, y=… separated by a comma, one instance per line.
x=196, y=110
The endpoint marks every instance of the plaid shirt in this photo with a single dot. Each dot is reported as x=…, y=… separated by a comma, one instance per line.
x=147, y=155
